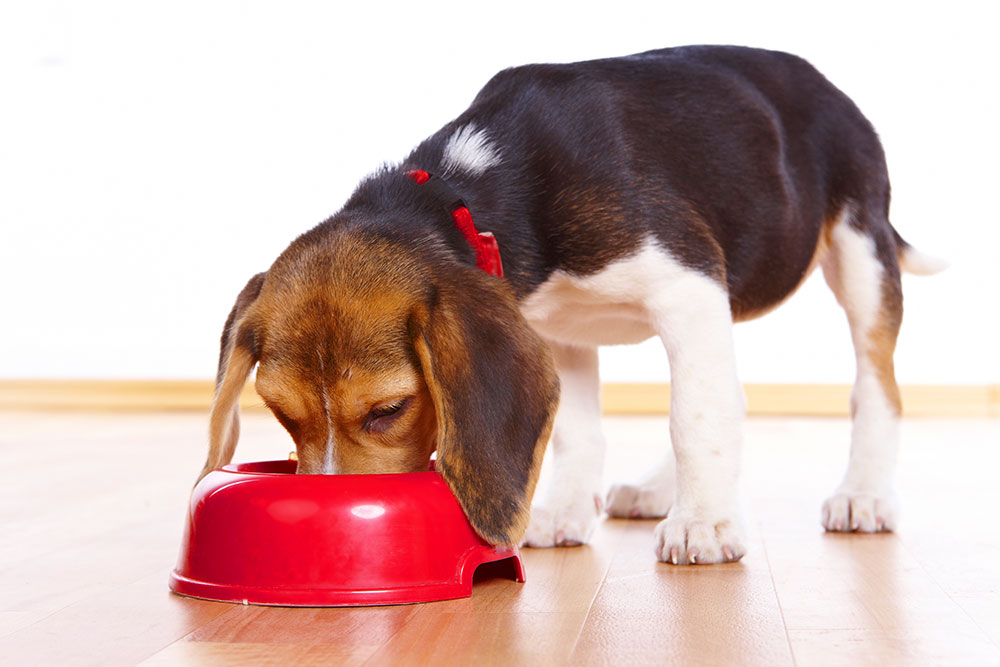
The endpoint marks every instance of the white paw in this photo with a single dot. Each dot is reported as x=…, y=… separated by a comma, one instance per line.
x=650, y=498
x=685, y=539
x=860, y=512
x=639, y=501
x=563, y=525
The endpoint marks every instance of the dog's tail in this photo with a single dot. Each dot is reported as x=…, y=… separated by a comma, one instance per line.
x=918, y=263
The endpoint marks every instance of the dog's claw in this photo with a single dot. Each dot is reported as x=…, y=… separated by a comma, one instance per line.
x=698, y=542
x=860, y=512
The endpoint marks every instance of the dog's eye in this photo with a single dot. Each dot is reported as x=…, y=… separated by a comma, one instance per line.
x=390, y=409
x=382, y=416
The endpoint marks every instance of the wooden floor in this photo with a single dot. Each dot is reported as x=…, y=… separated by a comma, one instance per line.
x=93, y=505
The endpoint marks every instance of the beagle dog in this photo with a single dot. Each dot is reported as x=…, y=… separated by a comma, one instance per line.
x=670, y=194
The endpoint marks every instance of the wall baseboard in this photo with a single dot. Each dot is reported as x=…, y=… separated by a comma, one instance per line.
x=617, y=398
x=829, y=400
x=114, y=395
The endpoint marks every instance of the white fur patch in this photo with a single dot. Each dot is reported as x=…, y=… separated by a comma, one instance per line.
x=651, y=293
x=854, y=273
x=329, y=466
x=469, y=150
x=605, y=308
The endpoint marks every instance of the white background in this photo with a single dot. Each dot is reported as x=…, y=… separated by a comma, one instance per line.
x=153, y=156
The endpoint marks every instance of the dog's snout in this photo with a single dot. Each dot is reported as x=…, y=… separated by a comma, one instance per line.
x=318, y=460
x=312, y=469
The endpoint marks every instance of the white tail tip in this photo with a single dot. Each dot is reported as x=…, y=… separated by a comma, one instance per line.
x=913, y=261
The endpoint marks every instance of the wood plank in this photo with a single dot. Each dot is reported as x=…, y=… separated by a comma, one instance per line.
x=484, y=638
x=648, y=612
x=879, y=605
x=505, y=623
x=260, y=654
x=877, y=648
x=890, y=598
x=304, y=634
x=116, y=625
x=949, y=490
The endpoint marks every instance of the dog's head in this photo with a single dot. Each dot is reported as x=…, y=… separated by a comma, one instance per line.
x=374, y=353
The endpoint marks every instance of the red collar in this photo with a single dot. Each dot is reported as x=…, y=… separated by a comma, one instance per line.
x=484, y=243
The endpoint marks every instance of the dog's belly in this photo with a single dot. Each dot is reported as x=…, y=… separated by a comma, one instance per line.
x=588, y=310
x=592, y=325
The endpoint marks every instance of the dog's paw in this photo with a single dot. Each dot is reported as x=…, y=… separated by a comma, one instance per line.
x=685, y=539
x=650, y=498
x=639, y=501
x=562, y=526
x=860, y=512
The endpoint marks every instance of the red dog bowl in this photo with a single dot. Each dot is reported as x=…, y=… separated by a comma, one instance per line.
x=258, y=534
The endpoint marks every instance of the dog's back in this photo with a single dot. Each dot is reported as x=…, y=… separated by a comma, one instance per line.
x=721, y=152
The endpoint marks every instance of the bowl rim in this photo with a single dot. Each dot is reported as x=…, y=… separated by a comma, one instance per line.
x=252, y=468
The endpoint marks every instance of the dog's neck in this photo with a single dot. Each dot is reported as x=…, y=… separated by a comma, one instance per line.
x=483, y=243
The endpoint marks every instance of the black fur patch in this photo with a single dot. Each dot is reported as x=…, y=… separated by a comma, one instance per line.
x=732, y=158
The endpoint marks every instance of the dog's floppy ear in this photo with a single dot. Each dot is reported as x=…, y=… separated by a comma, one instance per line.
x=237, y=356
x=495, y=394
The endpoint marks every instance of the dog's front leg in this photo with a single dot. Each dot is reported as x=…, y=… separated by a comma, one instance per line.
x=571, y=502
x=705, y=524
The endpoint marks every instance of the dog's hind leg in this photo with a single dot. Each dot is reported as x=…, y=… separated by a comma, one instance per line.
x=862, y=269
x=571, y=501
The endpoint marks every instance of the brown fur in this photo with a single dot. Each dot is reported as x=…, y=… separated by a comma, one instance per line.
x=882, y=338
x=343, y=327
x=236, y=361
